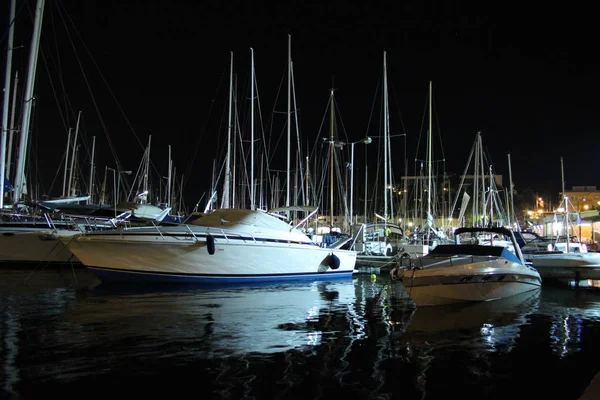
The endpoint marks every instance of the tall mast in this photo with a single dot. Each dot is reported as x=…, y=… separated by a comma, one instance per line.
x=299, y=163
x=92, y=166
x=510, y=193
x=289, y=122
x=4, y=127
x=12, y=127
x=28, y=97
x=64, y=191
x=225, y=202
x=566, y=203
x=491, y=197
x=385, y=139
x=147, y=170
x=236, y=128
x=429, y=156
x=252, y=206
x=331, y=159
x=307, y=198
x=73, y=153
x=169, y=178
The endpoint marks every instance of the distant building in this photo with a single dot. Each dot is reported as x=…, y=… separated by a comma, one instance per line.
x=583, y=198
x=584, y=218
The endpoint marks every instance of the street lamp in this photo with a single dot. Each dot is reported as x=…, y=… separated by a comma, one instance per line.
x=366, y=140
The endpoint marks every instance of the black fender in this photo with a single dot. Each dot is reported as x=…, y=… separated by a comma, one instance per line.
x=210, y=244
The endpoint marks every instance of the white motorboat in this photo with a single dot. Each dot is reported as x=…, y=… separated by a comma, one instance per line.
x=468, y=271
x=224, y=246
x=563, y=261
x=563, y=258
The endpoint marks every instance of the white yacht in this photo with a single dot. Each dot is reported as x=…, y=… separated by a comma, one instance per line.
x=223, y=246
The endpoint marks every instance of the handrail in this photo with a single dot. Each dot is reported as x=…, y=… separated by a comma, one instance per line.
x=362, y=227
x=305, y=219
x=158, y=230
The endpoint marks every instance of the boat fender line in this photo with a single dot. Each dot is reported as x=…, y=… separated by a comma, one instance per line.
x=210, y=244
x=333, y=261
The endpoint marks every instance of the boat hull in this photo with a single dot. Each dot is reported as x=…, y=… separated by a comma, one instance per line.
x=188, y=259
x=383, y=262
x=27, y=246
x=575, y=266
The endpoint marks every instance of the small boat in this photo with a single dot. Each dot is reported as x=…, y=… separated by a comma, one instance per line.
x=223, y=246
x=379, y=245
x=469, y=271
x=30, y=239
x=562, y=260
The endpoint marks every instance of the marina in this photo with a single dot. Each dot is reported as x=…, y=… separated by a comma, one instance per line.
x=167, y=231
x=64, y=333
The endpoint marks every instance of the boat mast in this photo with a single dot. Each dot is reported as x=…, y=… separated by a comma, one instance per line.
x=429, y=157
x=28, y=100
x=510, y=193
x=252, y=206
x=491, y=197
x=236, y=129
x=92, y=170
x=73, y=153
x=299, y=156
x=331, y=158
x=4, y=127
x=146, y=196
x=12, y=127
x=225, y=203
x=289, y=123
x=385, y=140
x=307, y=198
x=169, y=178
x=566, y=202
x=66, y=162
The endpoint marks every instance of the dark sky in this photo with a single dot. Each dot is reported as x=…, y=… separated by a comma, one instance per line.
x=524, y=76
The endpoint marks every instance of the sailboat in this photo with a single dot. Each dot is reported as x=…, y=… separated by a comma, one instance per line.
x=380, y=243
x=563, y=259
x=427, y=237
x=26, y=237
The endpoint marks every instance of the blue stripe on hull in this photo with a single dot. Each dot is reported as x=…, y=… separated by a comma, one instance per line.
x=108, y=275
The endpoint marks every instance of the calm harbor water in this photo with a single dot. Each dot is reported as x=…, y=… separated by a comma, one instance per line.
x=65, y=334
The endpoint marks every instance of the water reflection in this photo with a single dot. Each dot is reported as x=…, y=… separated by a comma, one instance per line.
x=492, y=320
x=476, y=330
x=227, y=321
x=64, y=332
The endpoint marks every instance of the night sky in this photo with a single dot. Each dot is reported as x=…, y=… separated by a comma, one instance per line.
x=526, y=78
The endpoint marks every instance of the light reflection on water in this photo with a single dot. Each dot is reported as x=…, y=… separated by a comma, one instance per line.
x=64, y=332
